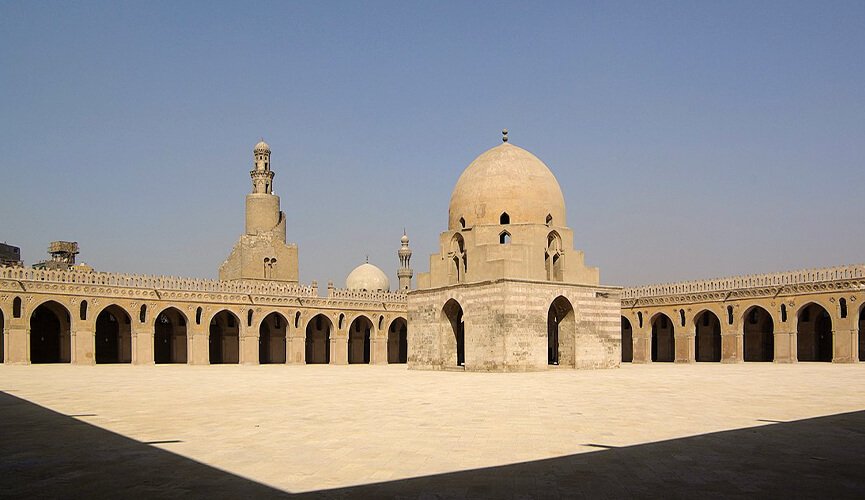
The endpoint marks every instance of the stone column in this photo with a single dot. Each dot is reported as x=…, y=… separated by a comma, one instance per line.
x=142, y=343
x=732, y=346
x=17, y=335
x=83, y=342
x=845, y=345
x=378, y=350
x=642, y=341
x=684, y=344
x=785, y=346
x=198, y=349
x=339, y=347
x=295, y=346
x=249, y=338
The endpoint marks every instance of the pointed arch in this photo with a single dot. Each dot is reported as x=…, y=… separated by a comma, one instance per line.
x=561, y=333
x=113, y=335
x=224, y=338
x=707, y=336
x=318, y=331
x=553, y=257
x=272, y=339
x=453, y=340
x=663, y=339
x=397, y=341
x=758, y=335
x=814, y=333
x=50, y=333
x=169, y=336
x=359, y=340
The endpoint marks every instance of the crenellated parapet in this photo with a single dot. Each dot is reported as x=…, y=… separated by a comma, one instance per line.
x=754, y=285
x=397, y=297
x=155, y=283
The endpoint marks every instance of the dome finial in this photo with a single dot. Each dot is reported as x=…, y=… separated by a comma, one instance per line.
x=367, y=259
x=504, y=135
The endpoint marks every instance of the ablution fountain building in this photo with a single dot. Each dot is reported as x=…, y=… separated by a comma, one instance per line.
x=507, y=291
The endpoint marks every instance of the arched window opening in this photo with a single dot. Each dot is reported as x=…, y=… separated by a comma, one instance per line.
x=504, y=238
x=783, y=313
x=82, y=311
x=142, y=313
x=198, y=316
x=842, y=306
x=340, y=323
x=682, y=317
x=380, y=322
x=297, y=319
x=504, y=218
x=462, y=223
x=16, y=307
x=549, y=219
x=457, y=256
x=553, y=257
x=729, y=315
x=640, y=318
x=249, y=317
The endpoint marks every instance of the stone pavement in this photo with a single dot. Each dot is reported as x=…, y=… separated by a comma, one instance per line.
x=384, y=431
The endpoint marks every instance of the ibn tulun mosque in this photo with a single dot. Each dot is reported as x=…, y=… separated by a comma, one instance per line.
x=506, y=291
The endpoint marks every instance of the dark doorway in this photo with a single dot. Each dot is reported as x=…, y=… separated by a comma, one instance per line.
x=758, y=335
x=113, y=336
x=663, y=340
x=318, y=340
x=169, y=337
x=453, y=314
x=707, y=342
x=627, y=341
x=814, y=334
x=50, y=340
x=271, y=339
x=561, y=331
x=224, y=339
x=359, y=333
x=397, y=341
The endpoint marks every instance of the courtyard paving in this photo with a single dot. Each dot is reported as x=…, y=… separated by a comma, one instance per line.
x=385, y=431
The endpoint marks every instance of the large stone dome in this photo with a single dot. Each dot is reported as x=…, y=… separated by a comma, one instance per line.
x=506, y=179
x=367, y=277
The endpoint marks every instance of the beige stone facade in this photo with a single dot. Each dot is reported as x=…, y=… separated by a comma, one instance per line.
x=808, y=315
x=507, y=290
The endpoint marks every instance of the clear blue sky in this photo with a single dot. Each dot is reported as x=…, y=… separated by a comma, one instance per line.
x=691, y=139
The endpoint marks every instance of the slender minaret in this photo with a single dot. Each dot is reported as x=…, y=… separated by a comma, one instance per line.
x=405, y=272
x=262, y=176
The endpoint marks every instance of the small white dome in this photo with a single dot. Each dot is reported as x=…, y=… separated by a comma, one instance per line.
x=367, y=277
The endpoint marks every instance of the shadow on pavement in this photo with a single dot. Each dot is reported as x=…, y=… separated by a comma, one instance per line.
x=44, y=453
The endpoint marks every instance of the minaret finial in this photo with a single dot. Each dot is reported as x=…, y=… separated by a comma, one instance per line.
x=367, y=258
x=504, y=135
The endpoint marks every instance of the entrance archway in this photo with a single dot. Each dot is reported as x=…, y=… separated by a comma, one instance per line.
x=663, y=341
x=169, y=337
x=318, y=340
x=50, y=340
x=627, y=341
x=758, y=335
x=814, y=334
x=561, y=333
x=358, y=340
x=862, y=333
x=455, y=344
x=113, y=336
x=707, y=339
x=271, y=339
x=397, y=341
x=224, y=339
